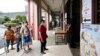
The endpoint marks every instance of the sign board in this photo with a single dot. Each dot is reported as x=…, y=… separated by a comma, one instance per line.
x=90, y=40
x=87, y=11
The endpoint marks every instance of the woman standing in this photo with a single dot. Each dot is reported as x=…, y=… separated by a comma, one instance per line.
x=25, y=31
x=9, y=37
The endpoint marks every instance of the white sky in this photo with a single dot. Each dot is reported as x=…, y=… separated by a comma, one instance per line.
x=12, y=5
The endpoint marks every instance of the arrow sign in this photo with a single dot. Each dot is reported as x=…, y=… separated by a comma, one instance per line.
x=86, y=20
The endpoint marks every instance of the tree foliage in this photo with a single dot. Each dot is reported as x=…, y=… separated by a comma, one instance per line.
x=15, y=21
x=10, y=24
x=5, y=19
x=18, y=19
x=21, y=18
x=24, y=18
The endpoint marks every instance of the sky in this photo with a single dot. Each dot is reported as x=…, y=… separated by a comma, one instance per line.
x=12, y=5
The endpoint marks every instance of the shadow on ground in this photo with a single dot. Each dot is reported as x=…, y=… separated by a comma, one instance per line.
x=75, y=51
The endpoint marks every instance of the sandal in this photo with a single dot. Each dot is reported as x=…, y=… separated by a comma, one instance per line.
x=30, y=49
x=12, y=48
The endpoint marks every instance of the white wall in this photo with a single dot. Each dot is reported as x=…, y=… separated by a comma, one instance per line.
x=33, y=19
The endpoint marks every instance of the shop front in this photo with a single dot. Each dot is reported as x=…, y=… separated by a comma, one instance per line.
x=37, y=10
x=32, y=18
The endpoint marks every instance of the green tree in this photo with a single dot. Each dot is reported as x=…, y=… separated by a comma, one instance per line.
x=21, y=18
x=15, y=21
x=5, y=19
x=10, y=24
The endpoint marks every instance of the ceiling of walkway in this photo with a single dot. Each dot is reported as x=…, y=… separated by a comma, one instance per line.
x=55, y=5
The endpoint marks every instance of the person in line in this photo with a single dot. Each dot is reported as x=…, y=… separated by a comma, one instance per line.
x=18, y=37
x=9, y=37
x=25, y=31
x=43, y=36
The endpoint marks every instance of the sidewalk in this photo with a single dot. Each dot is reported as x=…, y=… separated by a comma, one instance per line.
x=11, y=52
x=54, y=50
x=57, y=50
x=35, y=48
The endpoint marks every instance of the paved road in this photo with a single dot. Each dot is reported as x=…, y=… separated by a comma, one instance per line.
x=2, y=29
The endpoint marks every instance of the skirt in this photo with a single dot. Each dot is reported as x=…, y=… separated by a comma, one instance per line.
x=26, y=39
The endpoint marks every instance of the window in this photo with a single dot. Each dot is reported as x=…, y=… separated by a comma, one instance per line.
x=96, y=11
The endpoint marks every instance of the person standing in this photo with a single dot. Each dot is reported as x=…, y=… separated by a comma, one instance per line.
x=53, y=24
x=18, y=37
x=25, y=31
x=9, y=37
x=43, y=36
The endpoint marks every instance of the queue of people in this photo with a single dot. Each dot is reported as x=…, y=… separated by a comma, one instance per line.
x=23, y=38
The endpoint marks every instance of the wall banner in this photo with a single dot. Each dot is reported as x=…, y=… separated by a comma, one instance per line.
x=90, y=40
x=87, y=11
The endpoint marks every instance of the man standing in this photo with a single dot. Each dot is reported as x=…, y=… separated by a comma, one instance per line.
x=43, y=36
x=25, y=31
x=9, y=37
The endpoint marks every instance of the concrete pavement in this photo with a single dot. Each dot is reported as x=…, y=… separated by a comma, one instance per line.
x=54, y=50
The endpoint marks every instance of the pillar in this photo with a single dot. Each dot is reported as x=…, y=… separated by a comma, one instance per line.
x=75, y=22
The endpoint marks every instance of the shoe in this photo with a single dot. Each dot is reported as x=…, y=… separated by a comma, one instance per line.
x=7, y=51
x=45, y=49
x=12, y=48
x=43, y=52
x=17, y=50
x=29, y=49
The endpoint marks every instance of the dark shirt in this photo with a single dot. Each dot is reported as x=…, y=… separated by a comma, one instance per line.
x=17, y=31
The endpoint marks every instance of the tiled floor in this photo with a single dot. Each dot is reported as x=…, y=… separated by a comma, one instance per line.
x=51, y=38
x=75, y=51
x=54, y=50
x=35, y=50
x=58, y=50
x=11, y=53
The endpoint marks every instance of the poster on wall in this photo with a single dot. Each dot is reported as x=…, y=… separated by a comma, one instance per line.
x=87, y=11
x=90, y=40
